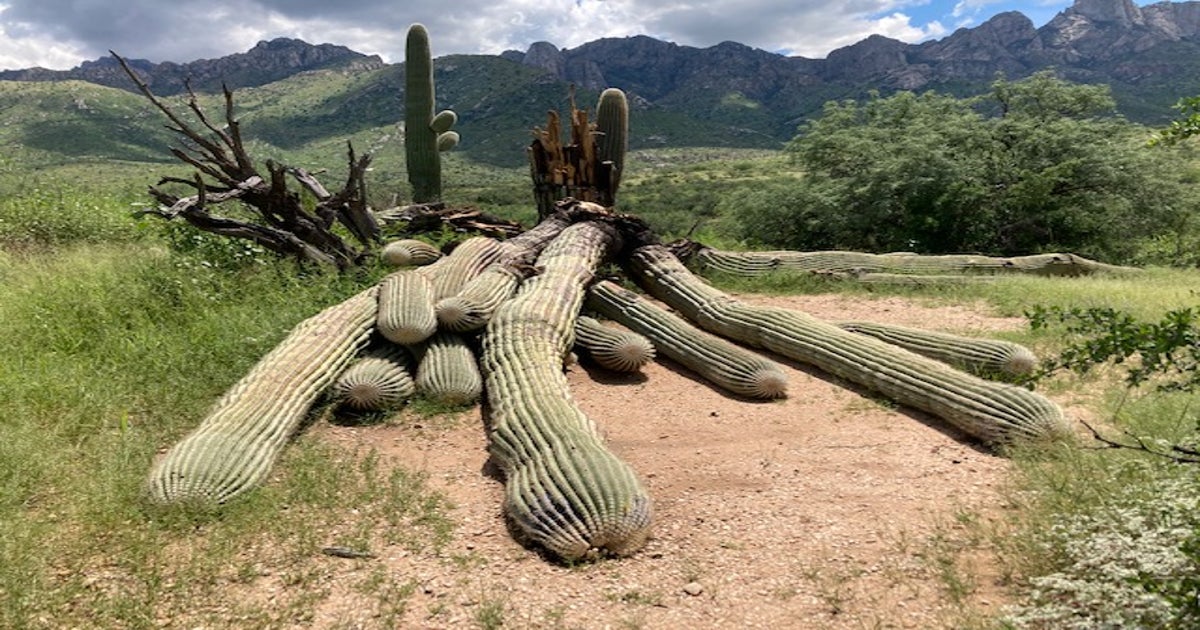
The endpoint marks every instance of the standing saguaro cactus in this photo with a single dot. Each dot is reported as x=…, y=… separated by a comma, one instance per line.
x=425, y=135
x=612, y=140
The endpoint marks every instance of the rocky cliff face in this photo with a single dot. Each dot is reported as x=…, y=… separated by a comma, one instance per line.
x=1094, y=40
x=267, y=62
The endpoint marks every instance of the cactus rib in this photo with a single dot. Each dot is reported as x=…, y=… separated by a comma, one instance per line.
x=726, y=365
x=234, y=447
x=564, y=489
x=992, y=412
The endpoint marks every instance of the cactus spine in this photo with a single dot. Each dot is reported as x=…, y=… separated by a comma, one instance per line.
x=564, y=489
x=239, y=440
x=381, y=379
x=992, y=412
x=617, y=349
x=406, y=314
x=448, y=372
x=726, y=365
x=408, y=251
x=983, y=357
x=425, y=135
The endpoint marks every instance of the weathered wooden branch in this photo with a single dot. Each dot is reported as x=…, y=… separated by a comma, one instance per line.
x=218, y=153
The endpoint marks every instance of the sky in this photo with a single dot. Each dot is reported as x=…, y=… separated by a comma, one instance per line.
x=60, y=34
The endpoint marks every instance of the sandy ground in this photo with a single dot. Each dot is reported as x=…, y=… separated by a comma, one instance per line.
x=829, y=509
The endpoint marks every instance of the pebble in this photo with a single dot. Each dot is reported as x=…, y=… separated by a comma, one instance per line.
x=693, y=588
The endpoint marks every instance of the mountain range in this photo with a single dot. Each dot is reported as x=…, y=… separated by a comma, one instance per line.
x=725, y=95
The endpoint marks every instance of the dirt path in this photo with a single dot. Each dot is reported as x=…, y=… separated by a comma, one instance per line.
x=826, y=510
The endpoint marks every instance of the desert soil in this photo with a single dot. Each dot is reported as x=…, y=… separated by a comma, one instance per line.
x=830, y=509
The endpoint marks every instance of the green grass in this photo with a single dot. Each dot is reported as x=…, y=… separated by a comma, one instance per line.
x=111, y=353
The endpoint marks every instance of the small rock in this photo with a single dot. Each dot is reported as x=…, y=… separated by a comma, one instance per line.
x=693, y=588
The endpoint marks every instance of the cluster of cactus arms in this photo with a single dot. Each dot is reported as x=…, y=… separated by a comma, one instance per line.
x=236, y=445
x=993, y=412
x=722, y=363
x=426, y=135
x=564, y=489
x=983, y=357
x=616, y=349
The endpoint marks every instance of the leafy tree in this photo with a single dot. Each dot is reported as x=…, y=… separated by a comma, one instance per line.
x=1184, y=127
x=1033, y=165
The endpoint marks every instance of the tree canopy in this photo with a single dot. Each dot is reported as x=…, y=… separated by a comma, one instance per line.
x=1033, y=165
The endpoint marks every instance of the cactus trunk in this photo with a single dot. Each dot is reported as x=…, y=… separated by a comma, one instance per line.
x=992, y=412
x=235, y=446
x=564, y=489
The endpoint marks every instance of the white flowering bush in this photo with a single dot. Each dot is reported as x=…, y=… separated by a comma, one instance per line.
x=1134, y=562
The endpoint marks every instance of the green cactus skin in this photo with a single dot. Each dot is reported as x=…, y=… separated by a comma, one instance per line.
x=448, y=371
x=237, y=443
x=564, y=490
x=860, y=264
x=472, y=307
x=408, y=252
x=982, y=357
x=406, y=315
x=612, y=126
x=423, y=132
x=616, y=349
x=469, y=259
x=722, y=363
x=993, y=412
x=379, y=380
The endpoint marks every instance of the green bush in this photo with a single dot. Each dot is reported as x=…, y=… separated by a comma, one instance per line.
x=1034, y=165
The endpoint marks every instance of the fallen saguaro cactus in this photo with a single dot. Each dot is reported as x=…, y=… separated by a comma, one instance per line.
x=983, y=357
x=726, y=365
x=881, y=267
x=993, y=412
x=564, y=489
x=236, y=445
